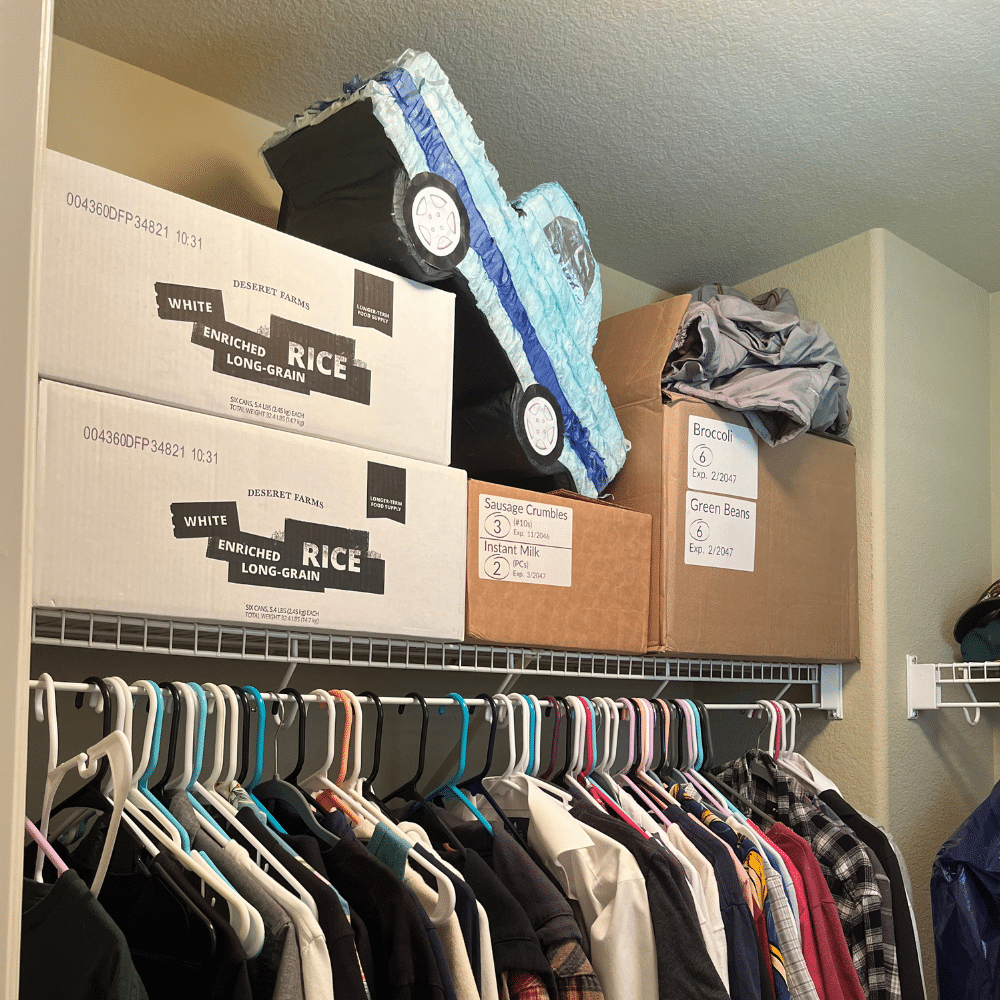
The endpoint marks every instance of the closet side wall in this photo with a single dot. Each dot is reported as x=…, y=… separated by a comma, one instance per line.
x=839, y=288
x=938, y=539
x=108, y=112
x=995, y=431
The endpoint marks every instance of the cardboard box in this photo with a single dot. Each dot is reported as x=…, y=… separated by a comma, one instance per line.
x=755, y=548
x=152, y=510
x=555, y=570
x=155, y=296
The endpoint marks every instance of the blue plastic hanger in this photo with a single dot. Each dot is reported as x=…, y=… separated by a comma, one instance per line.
x=450, y=788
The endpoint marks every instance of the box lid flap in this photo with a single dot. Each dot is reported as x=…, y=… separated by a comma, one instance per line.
x=632, y=349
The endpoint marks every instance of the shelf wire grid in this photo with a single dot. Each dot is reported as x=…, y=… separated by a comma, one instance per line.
x=238, y=642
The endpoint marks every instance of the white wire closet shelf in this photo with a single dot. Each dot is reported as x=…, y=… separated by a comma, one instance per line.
x=929, y=685
x=93, y=630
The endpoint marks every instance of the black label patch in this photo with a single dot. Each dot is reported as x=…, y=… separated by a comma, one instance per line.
x=373, y=302
x=308, y=556
x=292, y=356
x=387, y=492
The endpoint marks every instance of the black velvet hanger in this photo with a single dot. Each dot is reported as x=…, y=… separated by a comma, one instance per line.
x=366, y=784
x=160, y=788
x=283, y=790
x=408, y=792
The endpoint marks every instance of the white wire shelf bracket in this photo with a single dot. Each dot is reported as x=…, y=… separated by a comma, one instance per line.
x=928, y=685
x=92, y=630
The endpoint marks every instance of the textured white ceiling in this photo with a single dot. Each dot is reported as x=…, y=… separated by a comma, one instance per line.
x=703, y=141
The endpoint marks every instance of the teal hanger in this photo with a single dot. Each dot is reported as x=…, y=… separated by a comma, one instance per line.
x=254, y=779
x=201, y=721
x=154, y=755
x=450, y=789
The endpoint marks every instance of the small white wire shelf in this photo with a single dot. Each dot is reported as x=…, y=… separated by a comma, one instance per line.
x=925, y=685
x=291, y=646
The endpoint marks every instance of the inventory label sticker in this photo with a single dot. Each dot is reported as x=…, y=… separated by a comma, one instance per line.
x=719, y=531
x=722, y=457
x=522, y=541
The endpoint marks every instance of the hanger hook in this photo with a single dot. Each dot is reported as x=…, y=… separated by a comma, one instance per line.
x=300, y=757
x=366, y=785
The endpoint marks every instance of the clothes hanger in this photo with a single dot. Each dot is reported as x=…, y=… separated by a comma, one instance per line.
x=283, y=790
x=318, y=786
x=449, y=788
x=554, y=705
x=258, y=716
x=229, y=814
x=536, y=731
x=507, y=719
x=89, y=797
x=474, y=785
x=366, y=784
x=113, y=749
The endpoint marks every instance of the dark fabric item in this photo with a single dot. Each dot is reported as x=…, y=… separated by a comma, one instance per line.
x=839, y=976
x=907, y=953
x=547, y=909
x=841, y=856
x=744, y=949
x=405, y=964
x=444, y=969
x=683, y=965
x=71, y=948
x=465, y=910
x=772, y=962
x=171, y=950
x=286, y=815
x=345, y=965
x=337, y=823
x=575, y=976
x=515, y=944
x=965, y=889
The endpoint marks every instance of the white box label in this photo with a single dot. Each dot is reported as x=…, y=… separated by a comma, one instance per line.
x=521, y=541
x=720, y=531
x=722, y=457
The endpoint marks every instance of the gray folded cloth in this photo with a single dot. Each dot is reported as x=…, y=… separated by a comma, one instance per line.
x=756, y=356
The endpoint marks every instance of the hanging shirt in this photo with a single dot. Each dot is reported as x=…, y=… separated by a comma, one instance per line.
x=825, y=949
x=684, y=968
x=545, y=906
x=70, y=947
x=171, y=949
x=908, y=958
x=348, y=982
x=600, y=874
x=405, y=965
x=842, y=859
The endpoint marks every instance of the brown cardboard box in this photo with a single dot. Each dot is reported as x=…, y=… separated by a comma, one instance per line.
x=556, y=571
x=742, y=569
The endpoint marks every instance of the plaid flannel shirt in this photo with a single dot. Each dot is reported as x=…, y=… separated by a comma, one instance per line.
x=575, y=976
x=842, y=858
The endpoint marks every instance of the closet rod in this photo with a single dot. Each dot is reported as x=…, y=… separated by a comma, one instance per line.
x=79, y=687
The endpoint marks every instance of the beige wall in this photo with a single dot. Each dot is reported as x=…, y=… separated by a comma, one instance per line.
x=917, y=339
x=995, y=426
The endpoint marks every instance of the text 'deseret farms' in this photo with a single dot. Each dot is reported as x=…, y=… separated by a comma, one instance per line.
x=521, y=541
x=719, y=531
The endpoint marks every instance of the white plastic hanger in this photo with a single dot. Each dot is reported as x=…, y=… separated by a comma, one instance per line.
x=507, y=720
x=445, y=905
x=115, y=748
x=226, y=809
